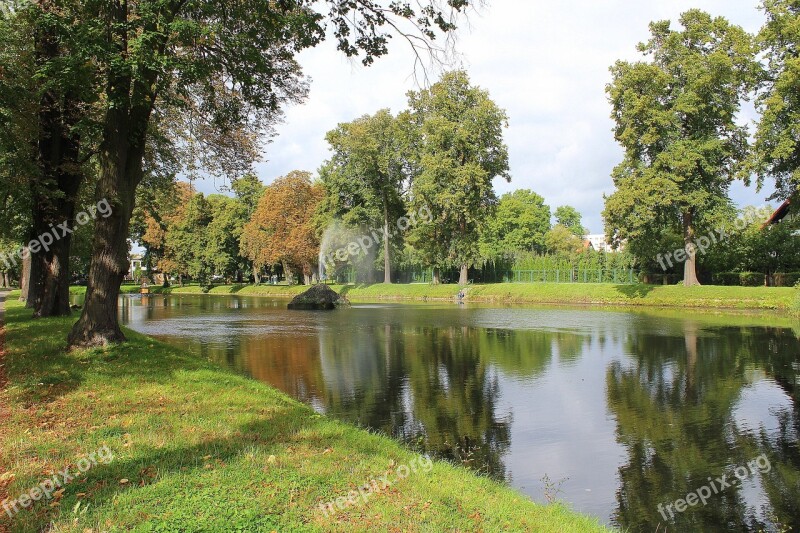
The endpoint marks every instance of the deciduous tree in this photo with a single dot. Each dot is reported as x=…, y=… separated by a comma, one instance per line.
x=777, y=147
x=676, y=119
x=519, y=225
x=457, y=139
x=281, y=230
x=570, y=218
x=366, y=177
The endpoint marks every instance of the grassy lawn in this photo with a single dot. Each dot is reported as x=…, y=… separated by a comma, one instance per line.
x=777, y=298
x=196, y=448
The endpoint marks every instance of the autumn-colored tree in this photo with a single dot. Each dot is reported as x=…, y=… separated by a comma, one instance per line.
x=164, y=210
x=281, y=229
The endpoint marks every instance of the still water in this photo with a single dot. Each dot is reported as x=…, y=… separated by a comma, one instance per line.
x=613, y=412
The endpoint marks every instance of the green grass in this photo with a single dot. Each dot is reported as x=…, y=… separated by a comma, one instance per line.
x=606, y=294
x=197, y=448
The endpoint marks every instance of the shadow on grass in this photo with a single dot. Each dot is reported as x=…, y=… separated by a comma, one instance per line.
x=36, y=359
x=635, y=291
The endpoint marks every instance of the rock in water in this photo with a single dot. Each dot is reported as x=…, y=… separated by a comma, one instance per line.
x=318, y=298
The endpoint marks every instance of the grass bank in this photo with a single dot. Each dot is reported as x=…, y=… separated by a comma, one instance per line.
x=705, y=297
x=196, y=448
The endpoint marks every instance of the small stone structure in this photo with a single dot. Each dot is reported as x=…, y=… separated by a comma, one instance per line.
x=318, y=298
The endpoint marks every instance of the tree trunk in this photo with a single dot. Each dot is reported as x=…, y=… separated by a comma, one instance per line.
x=387, y=260
x=99, y=323
x=287, y=273
x=25, y=276
x=436, y=277
x=120, y=159
x=257, y=274
x=463, y=277
x=54, y=191
x=690, y=265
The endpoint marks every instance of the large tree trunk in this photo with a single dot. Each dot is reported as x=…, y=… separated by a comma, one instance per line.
x=99, y=323
x=436, y=277
x=54, y=192
x=121, y=159
x=463, y=276
x=387, y=260
x=690, y=265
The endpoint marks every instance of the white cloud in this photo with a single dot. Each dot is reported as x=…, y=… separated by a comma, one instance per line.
x=546, y=63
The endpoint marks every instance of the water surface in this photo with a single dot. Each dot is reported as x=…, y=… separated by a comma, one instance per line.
x=614, y=412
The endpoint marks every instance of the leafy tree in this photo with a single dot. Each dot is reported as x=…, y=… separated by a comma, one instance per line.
x=520, y=224
x=777, y=146
x=365, y=179
x=563, y=242
x=570, y=218
x=164, y=209
x=228, y=217
x=457, y=142
x=675, y=118
x=234, y=62
x=281, y=230
x=248, y=191
x=186, y=241
x=45, y=102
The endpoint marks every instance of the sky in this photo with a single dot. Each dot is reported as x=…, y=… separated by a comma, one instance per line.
x=545, y=63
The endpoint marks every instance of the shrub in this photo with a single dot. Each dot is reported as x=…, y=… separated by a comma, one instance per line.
x=751, y=279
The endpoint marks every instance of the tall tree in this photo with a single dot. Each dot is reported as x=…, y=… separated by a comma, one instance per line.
x=281, y=230
x=457, y=133
x=570, y=218
x=49, y=87
x=777, y=146
x=519, y=225
x=675, y=118
x=365, y=179
x=236, y=60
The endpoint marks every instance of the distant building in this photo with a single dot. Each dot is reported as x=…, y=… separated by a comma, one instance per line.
x=598, y=243
x=136, y=261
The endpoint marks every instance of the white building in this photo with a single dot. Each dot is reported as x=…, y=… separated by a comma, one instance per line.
x=598, y=242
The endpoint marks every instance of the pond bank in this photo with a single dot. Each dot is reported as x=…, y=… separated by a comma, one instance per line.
x=196, y=447
x=678, y=296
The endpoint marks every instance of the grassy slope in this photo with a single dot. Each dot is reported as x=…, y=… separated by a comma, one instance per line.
x=206, y=450
x=781, y=298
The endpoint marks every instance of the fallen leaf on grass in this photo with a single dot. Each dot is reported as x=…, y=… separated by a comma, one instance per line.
x=123, y=481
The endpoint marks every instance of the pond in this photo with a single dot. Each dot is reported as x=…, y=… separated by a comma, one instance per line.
x=615, y=412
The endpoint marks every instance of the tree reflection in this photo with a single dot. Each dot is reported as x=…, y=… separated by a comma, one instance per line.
x=674, y=406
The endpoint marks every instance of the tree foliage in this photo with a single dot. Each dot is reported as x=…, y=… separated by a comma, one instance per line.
x=366, y=177
x=457, y=140
x=281, y=230
x=776, y=151
x=570, y=218
x=675, y=118
x=519, y=224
